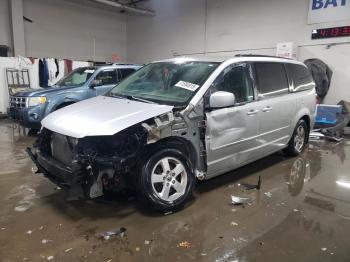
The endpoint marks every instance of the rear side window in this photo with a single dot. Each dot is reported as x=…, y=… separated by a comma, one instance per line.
x=107, y=77
x=301, y=76
x=271, y=78
x=126, y=72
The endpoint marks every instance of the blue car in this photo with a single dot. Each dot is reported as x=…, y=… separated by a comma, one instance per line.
x=28, y=108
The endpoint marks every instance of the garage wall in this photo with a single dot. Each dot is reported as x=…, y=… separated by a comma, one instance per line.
x=5, y=28
x=178, y=27
x=226, y=27
x=66, y=29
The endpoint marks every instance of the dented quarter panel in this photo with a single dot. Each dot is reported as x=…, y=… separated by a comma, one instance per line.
x=101, y=116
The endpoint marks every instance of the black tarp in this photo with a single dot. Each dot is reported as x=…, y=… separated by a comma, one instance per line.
x=322, y=75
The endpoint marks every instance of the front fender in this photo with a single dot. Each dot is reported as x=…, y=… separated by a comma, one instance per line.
x=55, y=103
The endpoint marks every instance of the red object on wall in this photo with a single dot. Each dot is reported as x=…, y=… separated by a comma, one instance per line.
x=68, y=66
x=115, y=58
x=32, y=60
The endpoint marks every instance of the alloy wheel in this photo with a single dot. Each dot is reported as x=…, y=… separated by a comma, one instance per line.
x=169, y=179
x=299, y=139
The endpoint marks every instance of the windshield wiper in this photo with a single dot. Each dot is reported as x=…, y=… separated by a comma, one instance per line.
x=139, y=99
x=130, y=97
x=116, y=96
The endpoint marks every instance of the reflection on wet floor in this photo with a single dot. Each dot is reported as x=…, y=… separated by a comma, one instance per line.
x=301, y=213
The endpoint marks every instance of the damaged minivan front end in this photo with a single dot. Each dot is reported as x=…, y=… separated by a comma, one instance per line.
x=92, y=163
x=143, y=134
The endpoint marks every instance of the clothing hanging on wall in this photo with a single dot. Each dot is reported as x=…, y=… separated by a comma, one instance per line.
x=43, y=73
x=51, y=67
x=57, y=68
x=46, y=74
x=32, y=60
x=68, y=66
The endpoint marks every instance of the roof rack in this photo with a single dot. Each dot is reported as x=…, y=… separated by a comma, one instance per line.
x=252, y=55
x=128, y=64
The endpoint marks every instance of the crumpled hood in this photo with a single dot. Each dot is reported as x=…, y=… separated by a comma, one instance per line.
x=101, y=116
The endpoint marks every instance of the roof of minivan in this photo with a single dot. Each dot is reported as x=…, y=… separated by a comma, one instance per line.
x=120, y=66
x=232, y=59
x=109, y=66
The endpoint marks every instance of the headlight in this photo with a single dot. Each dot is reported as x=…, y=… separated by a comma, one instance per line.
x=34, y=101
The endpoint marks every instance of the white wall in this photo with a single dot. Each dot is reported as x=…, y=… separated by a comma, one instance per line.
x=178, y=27
x=235, y=26
x=74, y=29
x=5, y=28
x=65, y=29
x=338, y=58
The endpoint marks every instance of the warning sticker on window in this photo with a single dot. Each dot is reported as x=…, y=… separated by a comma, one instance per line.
x=187, y=85
x=89, y=71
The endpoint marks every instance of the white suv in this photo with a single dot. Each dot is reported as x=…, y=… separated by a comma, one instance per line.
x=175, y=121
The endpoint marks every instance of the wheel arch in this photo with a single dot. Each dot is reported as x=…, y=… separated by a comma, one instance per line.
x=303, y=114
x=63, y=104
x=179, y=143
x=307, y=120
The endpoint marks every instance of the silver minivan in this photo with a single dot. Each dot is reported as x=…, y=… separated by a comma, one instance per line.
x=177, y=121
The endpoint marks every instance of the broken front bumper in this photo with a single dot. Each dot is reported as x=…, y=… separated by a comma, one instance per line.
x=63, y=176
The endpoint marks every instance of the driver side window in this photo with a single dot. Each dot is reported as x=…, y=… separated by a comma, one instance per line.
x=107, y=77
x=236, y=80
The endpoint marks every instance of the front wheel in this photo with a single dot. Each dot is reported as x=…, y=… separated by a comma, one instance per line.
x=166, y=180
x=298, y=141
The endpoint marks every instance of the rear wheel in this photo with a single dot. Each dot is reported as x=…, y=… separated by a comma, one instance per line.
x=298, y=141
x=166, y=180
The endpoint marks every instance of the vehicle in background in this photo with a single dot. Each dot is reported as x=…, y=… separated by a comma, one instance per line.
x=176, y=121
x=31, y=106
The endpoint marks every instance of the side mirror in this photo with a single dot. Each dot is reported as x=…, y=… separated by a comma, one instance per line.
x=221, y=99
x=95, y=83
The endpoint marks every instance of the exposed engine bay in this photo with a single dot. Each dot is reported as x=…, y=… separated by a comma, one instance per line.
x=104, y=158
x=92, y=164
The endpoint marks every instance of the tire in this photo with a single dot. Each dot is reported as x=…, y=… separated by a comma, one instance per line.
x=299, y=139
x=166, y=180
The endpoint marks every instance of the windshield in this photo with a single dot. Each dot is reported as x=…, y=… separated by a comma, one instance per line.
x=169, y=83
x=77, y=77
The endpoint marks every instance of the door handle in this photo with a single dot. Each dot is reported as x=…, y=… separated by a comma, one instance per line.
x=267, y=109
x=252, y=112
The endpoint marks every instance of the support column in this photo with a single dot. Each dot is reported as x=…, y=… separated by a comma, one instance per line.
x=18, y=41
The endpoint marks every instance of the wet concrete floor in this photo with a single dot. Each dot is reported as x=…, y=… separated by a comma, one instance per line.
x=301, y=213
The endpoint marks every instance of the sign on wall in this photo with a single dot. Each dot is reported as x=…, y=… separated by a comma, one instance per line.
x=286, y=50
x=328, y=10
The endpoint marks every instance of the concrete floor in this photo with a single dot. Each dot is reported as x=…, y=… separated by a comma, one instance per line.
x=301, y=213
